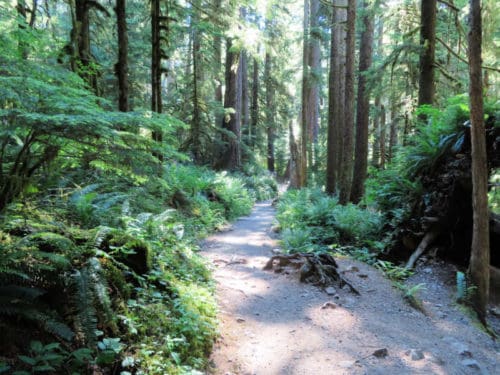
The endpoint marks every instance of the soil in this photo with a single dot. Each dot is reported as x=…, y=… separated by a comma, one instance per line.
x=273, y=324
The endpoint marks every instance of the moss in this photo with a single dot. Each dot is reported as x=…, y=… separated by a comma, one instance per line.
x=116, y=280
x=133, y=252
x=50, y=242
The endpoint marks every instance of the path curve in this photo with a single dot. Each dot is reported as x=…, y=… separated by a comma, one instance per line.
x=272, y=324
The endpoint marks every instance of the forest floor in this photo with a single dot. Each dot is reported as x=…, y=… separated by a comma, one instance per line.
x=273, y=324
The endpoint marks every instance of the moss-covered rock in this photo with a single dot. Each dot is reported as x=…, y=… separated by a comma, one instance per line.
x=133, y=252
x=50, y=242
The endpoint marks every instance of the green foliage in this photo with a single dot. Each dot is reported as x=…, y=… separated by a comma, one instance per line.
x=313, y=221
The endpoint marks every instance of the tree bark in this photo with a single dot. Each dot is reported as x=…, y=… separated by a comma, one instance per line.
x=480, y=253
x=122, y=64
x=313, y=79
x=304, y=139
x=196, y=57
x=332, y=141
x=346, y=170
x=363, y=108
x=428, y=44
x=382, y=136
x=270, y=111
x=254, y=111
x=232, y=99
x=376, y=134
x=156, y=99
x=245, y=96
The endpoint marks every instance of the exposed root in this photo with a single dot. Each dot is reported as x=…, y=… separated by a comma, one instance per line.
x=317, y=269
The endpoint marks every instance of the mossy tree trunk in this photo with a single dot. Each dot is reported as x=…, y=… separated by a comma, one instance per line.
x=480, y=252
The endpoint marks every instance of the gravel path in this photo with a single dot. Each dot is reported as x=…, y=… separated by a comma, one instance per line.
x=272, y=324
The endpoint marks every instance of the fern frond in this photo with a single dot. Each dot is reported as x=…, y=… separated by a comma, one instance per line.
x=86, y=316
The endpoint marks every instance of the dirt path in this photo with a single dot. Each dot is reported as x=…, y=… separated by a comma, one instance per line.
x=272, y=324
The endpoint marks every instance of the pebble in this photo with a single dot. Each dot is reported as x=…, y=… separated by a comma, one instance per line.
x=471, y=363
x=461, y=349
x=330, y=290
x=415, y=354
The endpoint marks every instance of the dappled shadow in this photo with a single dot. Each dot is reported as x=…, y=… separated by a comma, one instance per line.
x=272, y=324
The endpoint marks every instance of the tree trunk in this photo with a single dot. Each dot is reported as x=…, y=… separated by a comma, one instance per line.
x=428, y=44
x=245, y=97
x=376, y=134
x=196, y=57
x=313, y=79
x=270, y=111
x=382, y=137
x=254, y=118
x=231, y=156
x=480, y=252
x=363, y=108
x=393, y=134
x=156, y=99
x=346, y=170
x=332, y=141
x=122, y=64
x=304, y=141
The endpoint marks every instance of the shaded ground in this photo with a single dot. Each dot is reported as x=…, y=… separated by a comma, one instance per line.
x=272, y=324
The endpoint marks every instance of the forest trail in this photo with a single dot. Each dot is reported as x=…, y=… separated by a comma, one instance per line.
x=273, y=324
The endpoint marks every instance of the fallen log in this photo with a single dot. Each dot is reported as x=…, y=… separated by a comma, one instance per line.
x=317, y=269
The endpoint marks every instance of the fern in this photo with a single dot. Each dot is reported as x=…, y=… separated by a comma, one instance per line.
x=83, y=299
x=91, y=290
x=24, y=302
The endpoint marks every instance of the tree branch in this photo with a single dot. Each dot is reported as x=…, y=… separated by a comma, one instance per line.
x=462, y=58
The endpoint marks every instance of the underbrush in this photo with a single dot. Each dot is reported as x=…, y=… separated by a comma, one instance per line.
x=313, y=221
x=105, y=277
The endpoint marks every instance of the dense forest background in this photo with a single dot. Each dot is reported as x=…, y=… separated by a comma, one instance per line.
x=131, y=129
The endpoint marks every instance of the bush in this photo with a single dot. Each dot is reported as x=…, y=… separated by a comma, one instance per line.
x=314, y=221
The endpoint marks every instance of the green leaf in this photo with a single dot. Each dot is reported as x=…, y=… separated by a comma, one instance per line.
x=30, y=361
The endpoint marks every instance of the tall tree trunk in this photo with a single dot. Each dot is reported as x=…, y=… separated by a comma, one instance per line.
x=22, y=44
x=122, y=64
x=382, y=136
x=254, y=118
x=156, y=99
x=304, y=141
x=345, y=180
x=428, y=44
x=393, y=133
x=480, y=253
x=196, y=59
x=82, y=30
x=376, y=132
x=363, y=108
x=314, y=74
x=376, y=117
x=270, y=111
x=332, y=141
x=231, y=156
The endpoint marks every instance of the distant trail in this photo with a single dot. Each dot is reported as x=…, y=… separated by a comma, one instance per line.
x=272, y=324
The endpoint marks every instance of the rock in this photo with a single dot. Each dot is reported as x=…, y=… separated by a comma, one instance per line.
x=330, y=290
x=381, y=353
x=346, y=364
x=415, y=354
x=352, y=269
x=277, y=251
x=461, y=349
x=471, y=363
x=329, y=305
x=427, y=270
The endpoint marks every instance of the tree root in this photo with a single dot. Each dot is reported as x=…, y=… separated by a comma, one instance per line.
x=424, y=244
x=317, y=269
